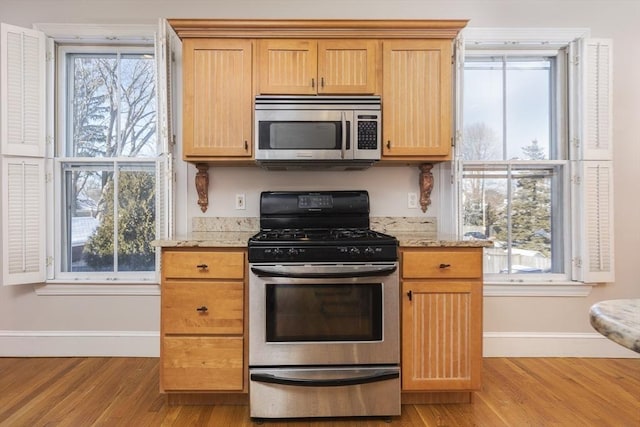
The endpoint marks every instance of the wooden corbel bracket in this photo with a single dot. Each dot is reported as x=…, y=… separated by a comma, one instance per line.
x=202, y=185
x=426, y=185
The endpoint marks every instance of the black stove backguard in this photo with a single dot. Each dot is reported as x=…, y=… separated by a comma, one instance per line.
x=314, y=209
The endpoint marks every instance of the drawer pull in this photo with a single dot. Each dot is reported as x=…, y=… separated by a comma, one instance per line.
x=202, y=266
x=445, y=265
x=202, y=309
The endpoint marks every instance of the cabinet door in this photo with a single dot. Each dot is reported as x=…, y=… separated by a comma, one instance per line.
x=288, y=67
x=202, y=264
x=441, y=335
x=436, y=263
x=217, y=98
x=198, y=307
x=416, y=109
x=347, y=66
x=202, y=363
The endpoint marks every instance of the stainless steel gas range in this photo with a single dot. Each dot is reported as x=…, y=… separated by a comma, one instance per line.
x=323, y=309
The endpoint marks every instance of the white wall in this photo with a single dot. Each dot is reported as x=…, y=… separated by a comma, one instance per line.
x=34, y=324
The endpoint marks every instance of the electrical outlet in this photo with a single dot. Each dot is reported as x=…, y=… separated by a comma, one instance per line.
x=412, y=200
x=240, y=202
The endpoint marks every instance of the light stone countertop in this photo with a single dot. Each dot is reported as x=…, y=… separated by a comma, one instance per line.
x=419, y=240
x=239, y=239
x=618, y=320
x=236, y=231
x=208, y=239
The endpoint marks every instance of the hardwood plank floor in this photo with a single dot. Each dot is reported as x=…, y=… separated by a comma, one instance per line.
x=124, y=392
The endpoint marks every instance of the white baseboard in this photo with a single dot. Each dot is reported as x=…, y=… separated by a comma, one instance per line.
x=555, y=344
x=79, y=343
x=147, y=344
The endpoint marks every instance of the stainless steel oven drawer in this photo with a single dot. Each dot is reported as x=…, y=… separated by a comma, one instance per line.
x=325, y=392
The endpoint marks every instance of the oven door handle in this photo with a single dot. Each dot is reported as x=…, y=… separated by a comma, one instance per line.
x=337, y=273
x=334, y=382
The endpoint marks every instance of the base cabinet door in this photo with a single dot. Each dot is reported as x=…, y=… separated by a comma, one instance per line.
x=441, y=337
x=200, y=363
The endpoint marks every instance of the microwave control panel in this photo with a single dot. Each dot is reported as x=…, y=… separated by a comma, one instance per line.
x=367, y=133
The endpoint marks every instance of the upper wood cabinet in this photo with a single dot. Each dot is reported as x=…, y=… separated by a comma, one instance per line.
x=227, y=62
x=417, y=99
x=218, y=99
x=309, y=67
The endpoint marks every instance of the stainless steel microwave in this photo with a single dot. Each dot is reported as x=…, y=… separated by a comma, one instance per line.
x=295, y=132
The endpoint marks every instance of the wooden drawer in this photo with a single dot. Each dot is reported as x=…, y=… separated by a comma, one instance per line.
x=203, y=265
x=427, y=264
x=202, y=363
x=202, y=307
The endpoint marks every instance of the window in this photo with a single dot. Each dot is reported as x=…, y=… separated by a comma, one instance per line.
x=107, y=150
x=520, y=157
x=86, y=163
x=514, y=161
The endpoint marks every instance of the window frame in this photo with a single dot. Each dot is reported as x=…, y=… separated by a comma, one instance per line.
x=63, y=79
x=528, y=40
x=558, y=151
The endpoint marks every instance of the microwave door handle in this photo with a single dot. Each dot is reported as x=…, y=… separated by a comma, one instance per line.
x=344, y=133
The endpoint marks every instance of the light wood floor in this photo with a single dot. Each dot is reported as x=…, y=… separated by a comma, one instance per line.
x=124, y=392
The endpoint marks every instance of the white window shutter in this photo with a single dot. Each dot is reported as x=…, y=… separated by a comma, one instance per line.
x=592, y=194
x=22, y=131
x=164, y=196
x=23, y=220
x=594, y=188
x=167, y=42
x=23, y=89
x=596, y=63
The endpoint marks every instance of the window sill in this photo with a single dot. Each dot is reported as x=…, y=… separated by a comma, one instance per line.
x=532, y=289
x=97, y=288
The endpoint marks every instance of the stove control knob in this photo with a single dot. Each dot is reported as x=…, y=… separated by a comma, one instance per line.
x=292, y=252
x=369, y=250
x=354, y=251
x=276, y=252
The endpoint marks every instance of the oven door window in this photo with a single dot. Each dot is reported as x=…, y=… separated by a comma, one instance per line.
x=324, y=312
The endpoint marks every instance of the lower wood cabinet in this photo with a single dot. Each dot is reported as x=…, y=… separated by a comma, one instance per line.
x=203, y=339
x=441, y=319
x=204, y=330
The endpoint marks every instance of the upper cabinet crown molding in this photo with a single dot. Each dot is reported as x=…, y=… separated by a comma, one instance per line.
x=318, y=28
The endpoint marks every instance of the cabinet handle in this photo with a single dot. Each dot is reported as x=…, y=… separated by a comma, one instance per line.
x=202, y=309
x=321, y=81
x=445, y=265
x=389, y=145
x=410, y=295
x=202, y=266
x=313, y=83
x=246, y=146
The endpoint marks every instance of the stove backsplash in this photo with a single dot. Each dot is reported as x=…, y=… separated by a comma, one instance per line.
x=200, y=224
x=393, y=225
x=389, y=225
